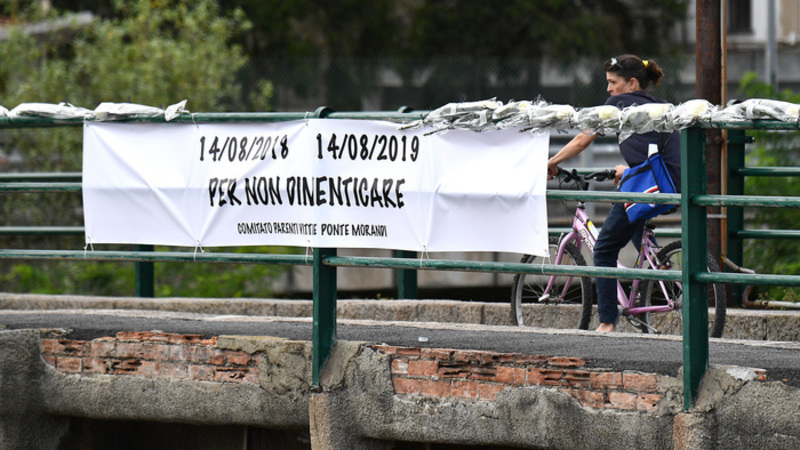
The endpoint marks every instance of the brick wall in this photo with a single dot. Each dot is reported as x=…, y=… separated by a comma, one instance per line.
x=464, y=374
x=152, y=355
x=482, y=375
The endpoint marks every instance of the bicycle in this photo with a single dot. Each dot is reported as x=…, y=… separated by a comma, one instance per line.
x=652, y=306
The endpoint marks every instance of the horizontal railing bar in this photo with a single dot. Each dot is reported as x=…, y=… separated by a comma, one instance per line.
x=613, y=196
x=767, y=234
x=748, y=278
x=50, y=186
x=768, y=171
x=19, y=177
x=38, y=230
x=746, y=200
x=500, y=267
x=761, y=124
x=140, y=256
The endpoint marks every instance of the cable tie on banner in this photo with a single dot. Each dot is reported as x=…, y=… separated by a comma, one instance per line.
x=194, y=121
x=423, y=255
x=194, y=255
x=308, y=251
x=88, y=246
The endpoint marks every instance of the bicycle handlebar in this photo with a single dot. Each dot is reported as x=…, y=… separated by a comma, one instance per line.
x=583, y=179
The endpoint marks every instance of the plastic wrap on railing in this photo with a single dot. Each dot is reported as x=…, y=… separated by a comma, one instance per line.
x=476, y=116
x=605, y=119
x=3, y=111
x=121, y=111
x=59, y=111
x=757, y=108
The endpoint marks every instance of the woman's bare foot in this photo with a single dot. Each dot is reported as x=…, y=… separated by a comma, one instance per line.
x=606, y=328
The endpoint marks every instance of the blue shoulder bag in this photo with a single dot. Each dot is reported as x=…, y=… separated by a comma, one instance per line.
x=649, y=177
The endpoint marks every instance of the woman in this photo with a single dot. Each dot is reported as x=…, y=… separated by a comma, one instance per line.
x=628, y=77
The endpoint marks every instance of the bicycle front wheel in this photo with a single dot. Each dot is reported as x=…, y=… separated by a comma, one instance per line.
x=563, y=289
x=654, y=294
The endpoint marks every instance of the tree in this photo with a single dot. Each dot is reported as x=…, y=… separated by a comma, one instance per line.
x=149, y=52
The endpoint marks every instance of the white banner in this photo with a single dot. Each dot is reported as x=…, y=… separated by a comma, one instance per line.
x=315, y=183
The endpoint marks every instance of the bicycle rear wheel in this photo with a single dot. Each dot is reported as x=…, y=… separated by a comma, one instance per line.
x=532, y=288
x=671, y=322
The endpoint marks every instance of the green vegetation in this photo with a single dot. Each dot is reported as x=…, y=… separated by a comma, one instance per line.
x=148, y=52
x=773, y=149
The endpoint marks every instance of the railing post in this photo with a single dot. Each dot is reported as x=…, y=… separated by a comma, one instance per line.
x=324, y=326
x=407, y=278
x=695, y=249
x=736, y=141
x=145, y=275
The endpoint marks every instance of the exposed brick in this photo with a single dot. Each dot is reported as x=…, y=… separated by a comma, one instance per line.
x=438, y=388
x=423, y=368
x=638, y=382
x=534, y=359
x=439, y=354
x=211, y=342
x=486, y=373
x=179, y=369
x=126, y=366
x=102, y=348
x=231, y=374
x=399, y=367
x=130, y=335
x=465, y=389
x=52, y=346
x=152, y=369
x=606, y=380
x=184, y=338
x=489, y=392
x=237, y=358
x=468, y=355
x=511, y=375
x=591, y=399
x=156, y=352
x=386, y=349
x=94, y=365
x=577, y=378
x=129, y=350
x=545, y=377
x=560, y=361
x=69, y=363
x=408, y=351
x=201, y=372
x=647, y=402
x=50, y=359
x=621, y=400
x=406, y=385
x=448, y=369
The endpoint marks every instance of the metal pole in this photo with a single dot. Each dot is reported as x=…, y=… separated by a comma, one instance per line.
x=708, y=72
x=324, y=320
x=695, y=293
x=771, y=54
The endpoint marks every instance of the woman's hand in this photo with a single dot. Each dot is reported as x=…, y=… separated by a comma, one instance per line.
x=620, y=169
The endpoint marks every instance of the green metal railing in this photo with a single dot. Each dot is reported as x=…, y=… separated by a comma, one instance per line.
x=694, y=200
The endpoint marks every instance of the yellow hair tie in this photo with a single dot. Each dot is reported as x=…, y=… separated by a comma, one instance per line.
x=646, y=63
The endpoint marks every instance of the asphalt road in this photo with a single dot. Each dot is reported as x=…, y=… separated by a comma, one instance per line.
x=619, y=351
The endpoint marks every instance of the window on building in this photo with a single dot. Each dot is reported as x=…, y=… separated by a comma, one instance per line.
x=740, y=16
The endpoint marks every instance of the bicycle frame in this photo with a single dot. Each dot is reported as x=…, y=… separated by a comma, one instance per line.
x=585, y=233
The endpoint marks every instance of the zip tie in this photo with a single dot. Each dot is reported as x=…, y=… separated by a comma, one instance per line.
x=87, y=247
x=194, y=255
x=423, y=255
x=308, y=250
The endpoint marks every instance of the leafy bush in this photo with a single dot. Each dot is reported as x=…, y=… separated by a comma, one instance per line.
x=773, y=149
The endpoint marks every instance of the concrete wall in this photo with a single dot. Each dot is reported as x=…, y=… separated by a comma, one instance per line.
x=57, y=391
